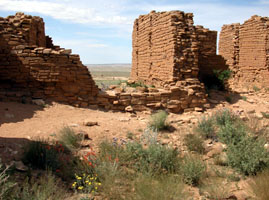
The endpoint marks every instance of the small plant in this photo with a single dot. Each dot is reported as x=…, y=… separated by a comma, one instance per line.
x=194, y=143
x=42, y=155
x=206, y=128
x=232, y=133
x=256, y=89
x=217, y=190
x=6, y=185
x=244, y=98
x=149, y=136
x=155, y=159
x=193, y=169
x=112, y=151
x=265, y=115
x=222, y=75
x=260, y=185
x=130, y=135
x=158, y=121
x=225, y=116
x=248, y=156
x=44, y=188
x=69, y=138
x=86, y=184
x=164, y=187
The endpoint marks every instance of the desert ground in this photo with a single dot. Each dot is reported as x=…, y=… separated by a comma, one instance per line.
x=21, y=123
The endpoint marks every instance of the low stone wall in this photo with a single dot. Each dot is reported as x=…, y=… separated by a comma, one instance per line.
x=175, y=99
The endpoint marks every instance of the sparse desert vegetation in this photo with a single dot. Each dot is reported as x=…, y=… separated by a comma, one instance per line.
x=174, y=126
x=143, y=167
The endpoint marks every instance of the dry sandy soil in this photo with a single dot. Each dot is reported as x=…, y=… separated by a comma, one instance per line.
x=22, y=122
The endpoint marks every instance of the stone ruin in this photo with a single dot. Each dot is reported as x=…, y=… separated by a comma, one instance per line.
x=31, y=67
x=246, y=49
x=169, y=52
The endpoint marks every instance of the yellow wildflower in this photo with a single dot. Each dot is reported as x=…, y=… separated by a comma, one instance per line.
x=79, y=178
x=86, y=181
x=80, y=187
x=99, y=184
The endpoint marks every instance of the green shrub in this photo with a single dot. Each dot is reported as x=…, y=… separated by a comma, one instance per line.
x=256, y=89
x=164, y=187
x=260, y=185
x=42, y=155
x=248, y=156
x=112, y=151
x=45, y=188
x=155, y=159
x=232, y=133
x=193, y=169
x=225, y=116
x=206, y=128
x=69, y=138
x=158, y=121
x=222, y=75
x=194, y=143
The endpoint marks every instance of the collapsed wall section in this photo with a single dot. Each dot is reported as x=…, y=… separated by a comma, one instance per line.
x=30, y=70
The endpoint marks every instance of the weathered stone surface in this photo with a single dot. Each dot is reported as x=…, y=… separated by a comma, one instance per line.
x=30, y=65
x=246, y=49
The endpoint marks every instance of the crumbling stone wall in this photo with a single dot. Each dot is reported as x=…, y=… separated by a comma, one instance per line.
x=164, y=50
x=32, y=67
x=246, y=49
x=167, y=49
x=208, y=61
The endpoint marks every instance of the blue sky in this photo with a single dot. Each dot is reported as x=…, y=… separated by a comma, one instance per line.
x=101, y=30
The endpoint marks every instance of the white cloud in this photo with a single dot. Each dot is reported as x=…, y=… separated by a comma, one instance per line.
x=214, y=15
x=266, y=2
x=68, y=10
x=78, y=43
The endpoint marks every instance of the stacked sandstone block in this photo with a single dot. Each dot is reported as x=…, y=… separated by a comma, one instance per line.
x=31, y=68
x=246, y=49
x=208, y=61
x=175, y=99
x=163, y=48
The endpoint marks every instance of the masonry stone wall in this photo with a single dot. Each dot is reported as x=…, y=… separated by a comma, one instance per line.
x=246, y=49
x=32, y=67
x=163, y=48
